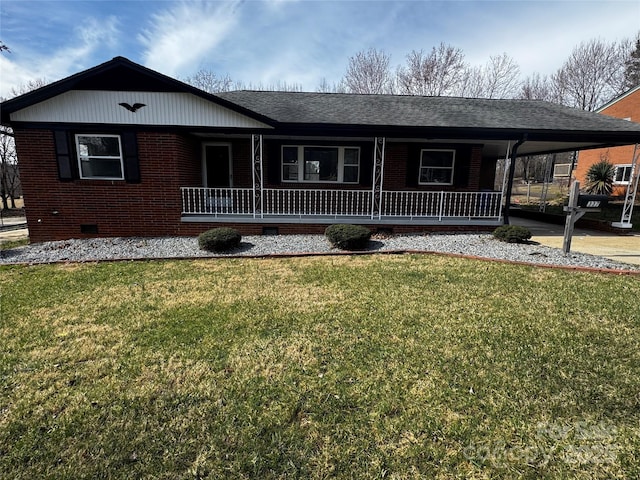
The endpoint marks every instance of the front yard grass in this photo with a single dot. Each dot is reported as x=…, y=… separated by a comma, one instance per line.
x=334, y=367
x=9, y=244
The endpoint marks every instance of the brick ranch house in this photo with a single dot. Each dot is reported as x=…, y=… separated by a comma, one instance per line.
x=627, y=107
x=121, y=150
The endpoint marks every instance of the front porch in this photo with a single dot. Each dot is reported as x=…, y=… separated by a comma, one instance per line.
x=326, y=206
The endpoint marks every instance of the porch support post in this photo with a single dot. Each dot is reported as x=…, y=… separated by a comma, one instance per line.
x=632, y=189
x=512, y=172
x=378, y=177
x=505, y=176
x=256, y=149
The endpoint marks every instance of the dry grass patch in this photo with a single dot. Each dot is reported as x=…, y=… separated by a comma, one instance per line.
x=271, y=358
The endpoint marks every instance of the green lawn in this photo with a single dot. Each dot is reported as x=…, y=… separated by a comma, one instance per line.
x=330, y=367
x=9, y=244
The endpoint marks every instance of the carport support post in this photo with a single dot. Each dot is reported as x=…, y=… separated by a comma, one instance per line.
x=630, y=194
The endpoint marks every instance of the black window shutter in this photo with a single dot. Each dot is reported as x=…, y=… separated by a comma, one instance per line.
x=130, y=157
x=413, y=165
x=366, y=165
x=63, y=155
x=273, y=163
x=461, y=167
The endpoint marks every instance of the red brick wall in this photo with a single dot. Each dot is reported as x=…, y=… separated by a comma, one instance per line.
x=152, y=207
x=628, y=107
x=241, y=152
x=474, y=169
x=395, y=166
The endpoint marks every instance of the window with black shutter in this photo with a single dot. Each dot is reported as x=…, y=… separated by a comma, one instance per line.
x=99, y=157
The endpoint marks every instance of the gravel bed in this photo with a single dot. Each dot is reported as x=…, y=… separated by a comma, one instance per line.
x=480, y=245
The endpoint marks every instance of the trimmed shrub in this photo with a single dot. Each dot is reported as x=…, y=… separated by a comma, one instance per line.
x=512, y=234
x=219, y=239
x=348, y=237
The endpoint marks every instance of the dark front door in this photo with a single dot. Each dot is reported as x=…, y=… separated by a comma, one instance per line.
x=217, y=166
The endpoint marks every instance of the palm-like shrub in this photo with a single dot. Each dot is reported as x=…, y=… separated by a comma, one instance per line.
x=600, y=178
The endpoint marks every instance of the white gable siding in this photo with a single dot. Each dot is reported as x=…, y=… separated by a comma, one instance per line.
x=162, y=108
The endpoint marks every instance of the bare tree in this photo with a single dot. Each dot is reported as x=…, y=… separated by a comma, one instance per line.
x=501, y=77
x=210, y=82
x=438, y=73
x=325, y=87
x=369, y=72
x=279, y=86
x=10, y=186
x=537, y=87
x=591, y=75
x=9, y=176
x=30, y=86
x=472, y=83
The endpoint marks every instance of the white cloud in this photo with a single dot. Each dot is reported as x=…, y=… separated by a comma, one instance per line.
x=180, y=37
x=13, y=76
x=541, y=35
x=90, y=36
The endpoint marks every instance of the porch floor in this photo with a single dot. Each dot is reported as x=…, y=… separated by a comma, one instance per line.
x=362, y=220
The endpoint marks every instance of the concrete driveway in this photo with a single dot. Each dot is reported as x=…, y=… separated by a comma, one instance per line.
x=622, y=248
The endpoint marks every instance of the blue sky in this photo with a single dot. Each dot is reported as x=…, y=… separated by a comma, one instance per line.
x=303, y=41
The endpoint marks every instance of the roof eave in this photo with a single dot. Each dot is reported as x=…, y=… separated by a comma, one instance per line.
x=617, y=99
x=611, y=137
x=66, y=84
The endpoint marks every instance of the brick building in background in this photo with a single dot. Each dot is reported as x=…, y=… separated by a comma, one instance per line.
x=627, y=107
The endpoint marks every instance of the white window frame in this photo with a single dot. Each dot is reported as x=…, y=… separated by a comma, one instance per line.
x=615, y=175
x=452, y=168
x=120, y=157
x=301, y=164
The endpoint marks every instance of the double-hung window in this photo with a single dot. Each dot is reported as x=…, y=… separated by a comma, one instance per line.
x=100, y=157
x=318, y=164
x=436, y=167
x=622, y=175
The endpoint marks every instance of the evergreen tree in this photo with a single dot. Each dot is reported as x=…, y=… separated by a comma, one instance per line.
x=632, y=67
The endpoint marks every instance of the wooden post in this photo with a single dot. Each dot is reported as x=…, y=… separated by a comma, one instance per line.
x=575, y=213
x=571, y=208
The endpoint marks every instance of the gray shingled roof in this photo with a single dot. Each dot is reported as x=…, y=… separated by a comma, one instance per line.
x=415, y=111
